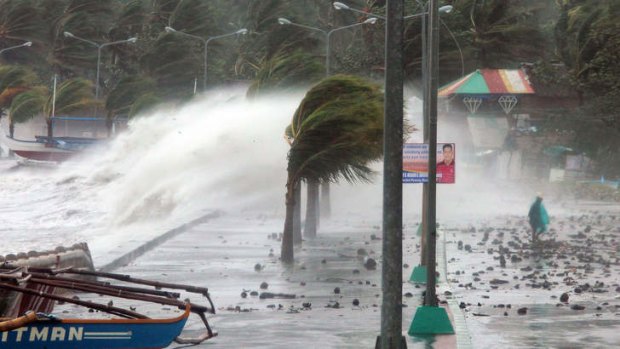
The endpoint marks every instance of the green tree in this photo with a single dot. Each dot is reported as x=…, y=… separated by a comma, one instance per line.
x=71, y=96
x=336, y=131
x=14, y=80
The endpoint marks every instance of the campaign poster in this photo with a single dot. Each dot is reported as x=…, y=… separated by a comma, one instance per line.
x=415, y=163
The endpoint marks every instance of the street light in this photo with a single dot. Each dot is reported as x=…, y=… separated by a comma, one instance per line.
x=443, y=9
x=99, y=47
x=206, y=41
x=25, y=44
x=328, y=34
x=340, y=6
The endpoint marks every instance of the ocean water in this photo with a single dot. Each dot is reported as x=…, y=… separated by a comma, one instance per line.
x=220, y=152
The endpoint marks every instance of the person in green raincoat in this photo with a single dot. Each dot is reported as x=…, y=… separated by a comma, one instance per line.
x=539, y=219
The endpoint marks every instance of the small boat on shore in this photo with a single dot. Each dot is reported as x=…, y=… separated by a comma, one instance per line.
x=127, y=330
x=58, y=148
x=39, y=331
x=14, y=303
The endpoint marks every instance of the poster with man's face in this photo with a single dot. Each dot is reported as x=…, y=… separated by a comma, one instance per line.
x=415, y=163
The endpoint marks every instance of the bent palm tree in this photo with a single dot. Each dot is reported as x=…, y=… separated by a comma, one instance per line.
x=13, y=81
x=71, y=95
x=337, y=130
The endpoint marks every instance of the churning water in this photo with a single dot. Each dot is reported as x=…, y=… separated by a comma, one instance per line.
x=220, y=152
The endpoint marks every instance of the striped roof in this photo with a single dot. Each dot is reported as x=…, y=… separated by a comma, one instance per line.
x=489, y=81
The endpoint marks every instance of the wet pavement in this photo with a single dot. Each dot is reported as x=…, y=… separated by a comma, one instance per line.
x=337, y=300
x=562, y=292
x=500, y=290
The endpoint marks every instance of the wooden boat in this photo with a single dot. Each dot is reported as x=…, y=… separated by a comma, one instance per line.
x=129, y=330
x=37, y=150
x=14, y=303
x=41, y=331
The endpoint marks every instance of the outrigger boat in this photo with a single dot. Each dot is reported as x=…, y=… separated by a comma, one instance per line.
x=131, y=330
x=42, y=331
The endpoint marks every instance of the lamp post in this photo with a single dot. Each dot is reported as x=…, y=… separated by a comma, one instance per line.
x=99, y=47
x=443, y=9
x=25, y=44
x=328, y=34
x=206, y=42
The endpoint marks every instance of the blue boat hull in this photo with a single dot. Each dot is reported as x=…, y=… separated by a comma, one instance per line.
x=95, y=334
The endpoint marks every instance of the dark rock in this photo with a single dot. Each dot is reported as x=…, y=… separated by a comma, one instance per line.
x=258, y=267
x=522, y=311
x=564, y=297
x=337, y=290
x=268, y=295
x=356, y=302
x=577, y=307
x=244, y=294
x=264, y=285
x=370, y=263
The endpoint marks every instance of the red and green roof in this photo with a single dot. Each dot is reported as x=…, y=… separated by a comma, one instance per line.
x=488, y=82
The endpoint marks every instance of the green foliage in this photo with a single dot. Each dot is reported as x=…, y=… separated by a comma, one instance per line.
x=71, y=96
x=127, y=92
x=284, y=71
x=14, y=79
x=337, y=129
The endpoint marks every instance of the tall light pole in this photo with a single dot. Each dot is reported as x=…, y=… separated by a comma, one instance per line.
x=206, y=42
x=424, y=15
x=419, y=273
x=328, y=34
x=25, y=44
x=99, y=47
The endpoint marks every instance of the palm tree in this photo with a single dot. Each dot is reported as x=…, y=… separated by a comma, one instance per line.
x=71, y=96
x=128, y=98
x=504, y=32
x=14, y=80
x=337, y=130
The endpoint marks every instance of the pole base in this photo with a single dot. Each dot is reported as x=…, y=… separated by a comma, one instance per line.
x=430, y=320
x=418, y=275
x=403, y=343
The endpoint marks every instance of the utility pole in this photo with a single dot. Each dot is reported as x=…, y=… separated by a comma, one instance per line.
x=391, y=275
x=431, y=238
x=431, y=319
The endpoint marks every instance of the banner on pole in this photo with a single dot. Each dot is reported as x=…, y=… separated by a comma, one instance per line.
x=415, y=163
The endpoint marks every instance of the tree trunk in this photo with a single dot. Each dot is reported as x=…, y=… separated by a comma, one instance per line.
x=311, y=209
x=326, y=207
x=50, y=131
x=109, y=121
x=297, y=215
x=11, y=129
x=287, y=252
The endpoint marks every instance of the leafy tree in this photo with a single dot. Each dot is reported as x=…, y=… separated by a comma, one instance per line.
x=337, y=130
x=13, y=81
x=71, y=96
x=504, y=33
